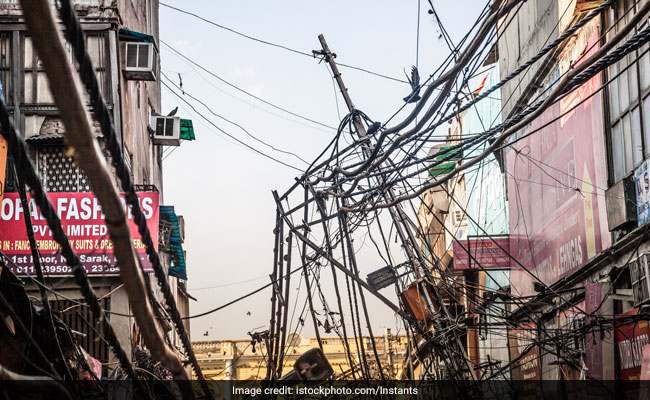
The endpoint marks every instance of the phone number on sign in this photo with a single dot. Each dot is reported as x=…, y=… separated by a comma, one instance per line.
x=65, y=269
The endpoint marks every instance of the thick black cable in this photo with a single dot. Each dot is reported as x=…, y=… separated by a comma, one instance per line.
x=488, y=91
x=27, y=216
x=75, y=36
x=631, y=45
x=24, y=166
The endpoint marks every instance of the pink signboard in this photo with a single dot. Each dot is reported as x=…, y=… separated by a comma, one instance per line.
x=474, y=253
x=593, y=339
x=557, y=212
x=83, y=222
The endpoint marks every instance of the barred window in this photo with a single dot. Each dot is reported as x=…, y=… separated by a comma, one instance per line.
x=36, y=89
x=59, y=172
x=629, y=101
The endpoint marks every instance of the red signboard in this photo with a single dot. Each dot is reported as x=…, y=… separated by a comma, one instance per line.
x=557, y=215
x=527, y=366
x=631, y=338
x=593, y=339
x=83, y=221
x=482, y=253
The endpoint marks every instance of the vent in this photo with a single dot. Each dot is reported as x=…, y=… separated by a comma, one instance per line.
x=139, y=62
x=459, y=218
x=640, y=280
x=166, y=130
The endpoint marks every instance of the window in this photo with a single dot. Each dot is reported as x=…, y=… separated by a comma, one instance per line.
x=629, y=103
x=36, y=89
x=639, y=277
x=58, y=172
x=5, y=67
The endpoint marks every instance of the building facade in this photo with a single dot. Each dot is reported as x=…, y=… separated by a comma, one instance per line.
x=242, y=360
x=121, y=38
x=564, y=205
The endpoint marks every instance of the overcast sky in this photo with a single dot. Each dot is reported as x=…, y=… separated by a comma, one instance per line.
x=223, y=189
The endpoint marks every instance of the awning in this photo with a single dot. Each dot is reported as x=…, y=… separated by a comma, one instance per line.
x=45, y=139
x=178, y=268
x=50, y=139
x=187, y=129
x=132, y=36
x=450, y=156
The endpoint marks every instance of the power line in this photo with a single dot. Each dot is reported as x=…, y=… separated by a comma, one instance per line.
x=302, y=53
x=242, y=297
x=242, y=90
x=228, y=134
x=229, y=284
x=186, y=93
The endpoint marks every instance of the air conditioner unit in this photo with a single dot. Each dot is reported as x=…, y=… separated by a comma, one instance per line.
x=166, y=130
x=139, y=61
x=640, y=277
x=620, y=202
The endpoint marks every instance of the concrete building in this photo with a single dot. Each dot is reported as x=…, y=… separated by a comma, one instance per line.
x=556, y=182
x=568, y=197
x=576, y=224
x=121, y=37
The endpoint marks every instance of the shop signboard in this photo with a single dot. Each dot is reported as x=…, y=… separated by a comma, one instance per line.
x=558, y=220
x=82, y=221
x=527, y=366
x=642, y=189
x=631, y=337
x=482, y=253
x=593, y=339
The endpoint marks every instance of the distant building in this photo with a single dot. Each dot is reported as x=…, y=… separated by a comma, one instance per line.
x=239, y=360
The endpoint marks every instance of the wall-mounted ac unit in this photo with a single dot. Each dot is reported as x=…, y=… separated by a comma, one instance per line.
x=166, y=130
x=620, y=201
x=640, y=277
x=139, y=61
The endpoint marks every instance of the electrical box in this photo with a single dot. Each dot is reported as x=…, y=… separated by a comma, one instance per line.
x=166, y=130
x=620, y=201
x=382, y=278
x=313, y=366
x=139, y=61
x=420, y=301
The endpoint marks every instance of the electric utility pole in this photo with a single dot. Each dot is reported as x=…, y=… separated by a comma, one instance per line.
x=396, y=213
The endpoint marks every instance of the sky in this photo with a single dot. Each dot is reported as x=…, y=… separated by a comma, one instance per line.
x=224, y=190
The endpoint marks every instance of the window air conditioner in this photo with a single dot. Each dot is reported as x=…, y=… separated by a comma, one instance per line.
x=139, y=61
x=620, y=202
x=640, y=278
x=166, y=130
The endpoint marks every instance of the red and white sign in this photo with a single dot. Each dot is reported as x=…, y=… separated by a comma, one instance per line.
x=631, y=338
x=528, y=364
x=482, y=253
x=83, y=222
